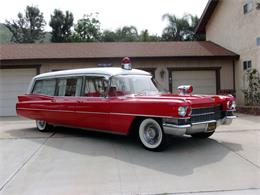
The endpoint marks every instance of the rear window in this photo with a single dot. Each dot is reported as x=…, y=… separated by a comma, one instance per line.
x=45, y=87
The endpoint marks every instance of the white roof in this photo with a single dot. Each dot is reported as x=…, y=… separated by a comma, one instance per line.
x=108, y=71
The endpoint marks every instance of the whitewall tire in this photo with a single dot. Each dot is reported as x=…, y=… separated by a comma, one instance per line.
x=151, y=135
x=43, y=126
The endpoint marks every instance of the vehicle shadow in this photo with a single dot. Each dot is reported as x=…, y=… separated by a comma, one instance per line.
x=182, y=157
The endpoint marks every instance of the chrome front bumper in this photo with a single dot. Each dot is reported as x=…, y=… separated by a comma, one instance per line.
x=200, y=127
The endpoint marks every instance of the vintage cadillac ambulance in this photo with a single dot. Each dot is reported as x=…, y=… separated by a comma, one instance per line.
x=122, y=101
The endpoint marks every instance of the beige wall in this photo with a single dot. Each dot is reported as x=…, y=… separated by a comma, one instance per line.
x=226, y=71
x=236, y=31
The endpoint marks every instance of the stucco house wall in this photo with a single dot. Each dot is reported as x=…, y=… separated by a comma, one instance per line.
x=231, y=28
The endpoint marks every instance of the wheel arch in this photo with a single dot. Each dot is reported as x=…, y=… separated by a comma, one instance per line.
x=133, y=129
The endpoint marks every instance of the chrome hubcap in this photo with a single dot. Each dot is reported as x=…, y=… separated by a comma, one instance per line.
x=41, y=124
x=151, y=134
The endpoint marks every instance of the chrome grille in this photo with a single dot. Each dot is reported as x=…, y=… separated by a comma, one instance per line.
x=206, y=114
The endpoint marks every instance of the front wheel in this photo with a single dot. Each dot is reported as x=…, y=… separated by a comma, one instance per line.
x=203, y=135
x=151, y=135
x=43, y=126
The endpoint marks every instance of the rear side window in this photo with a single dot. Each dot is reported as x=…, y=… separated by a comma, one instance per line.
x=69, y=87
x=95, y=87
x=45, y=87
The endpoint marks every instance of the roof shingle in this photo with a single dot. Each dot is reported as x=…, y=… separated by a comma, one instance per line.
x=112, y=50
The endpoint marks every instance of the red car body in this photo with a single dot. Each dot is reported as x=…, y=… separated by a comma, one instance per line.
x=118, y=112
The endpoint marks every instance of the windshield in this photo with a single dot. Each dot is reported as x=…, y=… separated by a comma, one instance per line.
x=134, y=84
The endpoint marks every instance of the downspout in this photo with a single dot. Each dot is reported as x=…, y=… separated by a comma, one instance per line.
x=234, y=78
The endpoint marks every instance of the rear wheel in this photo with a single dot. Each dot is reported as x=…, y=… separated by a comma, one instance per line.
x=151, y=135
x=43, y=126
x=203, y=135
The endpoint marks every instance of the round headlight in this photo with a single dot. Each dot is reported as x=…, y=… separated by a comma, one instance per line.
x=182, y=110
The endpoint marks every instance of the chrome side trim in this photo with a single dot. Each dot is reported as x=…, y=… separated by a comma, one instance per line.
x=37, y=109
x=101, y=113
x=144, y=115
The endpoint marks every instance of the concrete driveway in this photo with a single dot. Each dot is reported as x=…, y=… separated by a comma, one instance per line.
x=71, y=161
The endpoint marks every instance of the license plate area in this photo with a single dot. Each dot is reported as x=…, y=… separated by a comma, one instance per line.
x=211, y=127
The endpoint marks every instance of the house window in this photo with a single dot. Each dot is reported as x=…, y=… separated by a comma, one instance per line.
x=247, y=64
x=248, y=7
x=258, y=41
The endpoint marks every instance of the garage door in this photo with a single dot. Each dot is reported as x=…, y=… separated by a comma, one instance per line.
x=13, y=82
x=203, y=82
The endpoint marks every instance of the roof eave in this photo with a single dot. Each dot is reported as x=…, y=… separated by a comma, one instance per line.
x=209, y=9
x=8, y=61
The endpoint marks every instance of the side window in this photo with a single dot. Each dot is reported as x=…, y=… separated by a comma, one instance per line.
x=69, y=86
x=45, y=87
x=119, y=86
x=95, y=86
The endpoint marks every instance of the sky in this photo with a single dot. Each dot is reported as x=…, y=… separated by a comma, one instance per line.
x=144, y=14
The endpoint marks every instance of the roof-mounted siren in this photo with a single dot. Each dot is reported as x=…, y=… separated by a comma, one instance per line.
x=126, y=63
x=185, y=89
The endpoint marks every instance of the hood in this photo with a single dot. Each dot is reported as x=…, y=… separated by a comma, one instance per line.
x=194, y=100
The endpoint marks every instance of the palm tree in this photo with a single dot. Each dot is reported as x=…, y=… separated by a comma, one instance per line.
x=180, y=29
x=127, y=33
x=177, y=28
x=193, y=21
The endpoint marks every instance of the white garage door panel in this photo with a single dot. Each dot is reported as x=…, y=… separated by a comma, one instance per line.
x=13, y=82
x=10, y=92
x=203, y=82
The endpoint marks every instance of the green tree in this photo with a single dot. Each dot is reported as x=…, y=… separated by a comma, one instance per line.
x=29, y=28
x=127, y=34
x=109, y=36
x=177, y=28
x=252, y=92
x=181, y=29
x=124, y=34
x=145, y=36
x=87, y=29
x=5, y=34
x=193, y=22
x=61, y=26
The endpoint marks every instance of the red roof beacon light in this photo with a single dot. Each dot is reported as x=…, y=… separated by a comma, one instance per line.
x=126, y=63
x=185, y=89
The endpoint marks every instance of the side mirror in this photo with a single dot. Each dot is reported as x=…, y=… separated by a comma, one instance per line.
x=185, y=89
